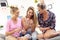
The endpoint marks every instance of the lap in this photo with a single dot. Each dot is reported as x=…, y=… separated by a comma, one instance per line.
x=49, y=33
x=10, y=38
x=27, y=35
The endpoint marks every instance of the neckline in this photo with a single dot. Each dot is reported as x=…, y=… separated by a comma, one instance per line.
x=14, y=22
x=48, y=17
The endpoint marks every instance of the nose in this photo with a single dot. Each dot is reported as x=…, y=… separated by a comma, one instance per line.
x=31, y=14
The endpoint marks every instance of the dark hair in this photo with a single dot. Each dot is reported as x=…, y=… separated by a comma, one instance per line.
x=42, y=6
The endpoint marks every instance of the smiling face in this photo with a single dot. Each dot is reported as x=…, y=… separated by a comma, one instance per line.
x=41, y=8
x=30, y=13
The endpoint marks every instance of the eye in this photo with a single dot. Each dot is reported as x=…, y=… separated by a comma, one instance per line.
x=38, y=10
x=29, y=12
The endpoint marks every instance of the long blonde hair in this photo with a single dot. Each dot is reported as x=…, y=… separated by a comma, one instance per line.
x=33, y=17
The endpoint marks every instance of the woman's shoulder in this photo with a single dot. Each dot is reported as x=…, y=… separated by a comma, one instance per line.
x=51, y=13
x=23, y=18
x=9, y=21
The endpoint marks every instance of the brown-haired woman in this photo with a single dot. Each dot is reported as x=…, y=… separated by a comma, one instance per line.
x=29, y=25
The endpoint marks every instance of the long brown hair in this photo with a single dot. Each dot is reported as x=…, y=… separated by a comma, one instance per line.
x=33, y=17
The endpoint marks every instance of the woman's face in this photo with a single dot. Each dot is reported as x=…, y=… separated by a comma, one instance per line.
x=16, y=13
x=30, y=13
x=40, y=10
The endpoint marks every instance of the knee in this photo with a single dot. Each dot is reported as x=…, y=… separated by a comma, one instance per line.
x=34, y=36
x=40, y=36
x=47, y=36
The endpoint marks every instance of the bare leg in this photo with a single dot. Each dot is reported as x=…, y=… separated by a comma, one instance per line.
x=50, y=34
x=40, y=36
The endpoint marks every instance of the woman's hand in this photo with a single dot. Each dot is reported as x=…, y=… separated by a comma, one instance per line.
x=43, y=29
x=23, y=31
x=18, y=29
x=13, y=31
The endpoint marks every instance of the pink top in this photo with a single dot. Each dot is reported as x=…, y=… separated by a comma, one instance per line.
x=11, y=26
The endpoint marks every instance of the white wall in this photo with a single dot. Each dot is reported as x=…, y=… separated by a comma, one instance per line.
x=3, y=18
x=57, y=13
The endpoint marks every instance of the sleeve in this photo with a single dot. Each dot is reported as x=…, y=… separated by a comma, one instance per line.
x=53, y=21
x=40, y=22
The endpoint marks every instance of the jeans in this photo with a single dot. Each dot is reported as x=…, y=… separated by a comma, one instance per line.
x=34, y=36
x=30, y=35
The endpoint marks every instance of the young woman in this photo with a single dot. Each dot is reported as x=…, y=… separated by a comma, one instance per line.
x=46, y=20
x=29, y=25
x=13, y=25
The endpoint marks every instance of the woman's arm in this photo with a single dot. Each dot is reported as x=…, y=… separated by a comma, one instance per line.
x=42, y=29
x=8, y=32
x=25, y=26
x=13, y=31
x=53, y=21
x=33, y=27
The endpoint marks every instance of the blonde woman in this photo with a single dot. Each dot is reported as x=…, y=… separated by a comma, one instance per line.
x=13, y=25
